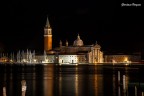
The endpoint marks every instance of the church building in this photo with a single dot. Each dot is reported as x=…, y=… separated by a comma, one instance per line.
x=75, y=53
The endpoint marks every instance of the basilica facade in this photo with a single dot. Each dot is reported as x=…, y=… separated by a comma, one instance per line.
x=74, y=53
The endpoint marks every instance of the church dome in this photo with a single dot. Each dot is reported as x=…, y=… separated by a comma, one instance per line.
x=78, y=41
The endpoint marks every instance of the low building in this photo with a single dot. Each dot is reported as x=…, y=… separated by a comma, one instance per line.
x=4, y=59
x=122, y=58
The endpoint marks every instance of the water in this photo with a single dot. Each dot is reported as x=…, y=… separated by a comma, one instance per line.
x=83, y=80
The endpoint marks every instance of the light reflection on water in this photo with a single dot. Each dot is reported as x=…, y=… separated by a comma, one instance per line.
x=83, y=80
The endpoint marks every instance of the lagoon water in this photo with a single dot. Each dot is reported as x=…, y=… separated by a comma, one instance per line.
x=81, y=80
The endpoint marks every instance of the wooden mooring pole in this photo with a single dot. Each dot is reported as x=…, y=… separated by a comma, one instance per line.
x=4, y=91
x=119, y=77
x=23, y=83
x=135, y=90
x=142, y=93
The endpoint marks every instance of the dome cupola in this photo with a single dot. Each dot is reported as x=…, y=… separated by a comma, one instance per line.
x=78, y=41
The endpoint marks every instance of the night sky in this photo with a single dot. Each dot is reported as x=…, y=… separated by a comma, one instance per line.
x=115, y=28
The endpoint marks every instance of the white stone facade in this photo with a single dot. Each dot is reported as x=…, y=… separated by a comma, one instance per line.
x=72, y=59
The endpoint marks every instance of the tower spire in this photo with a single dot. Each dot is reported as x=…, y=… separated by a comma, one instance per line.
x=96, y=43
x=60, y=43
x=47, y=23
x=78, y=37
x=66, y=43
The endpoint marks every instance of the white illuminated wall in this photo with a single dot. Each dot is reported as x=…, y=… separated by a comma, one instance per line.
x=72, y=59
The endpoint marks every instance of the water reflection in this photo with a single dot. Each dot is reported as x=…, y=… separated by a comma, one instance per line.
x=77, y=83
x=68, y=84
x=52, y=80
x=48, y=80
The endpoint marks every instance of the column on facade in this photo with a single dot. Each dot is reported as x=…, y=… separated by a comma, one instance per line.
x=90, y=57
x=99, y=56
x=93, y=56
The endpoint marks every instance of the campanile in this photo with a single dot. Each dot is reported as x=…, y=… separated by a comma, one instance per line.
x=47, y=36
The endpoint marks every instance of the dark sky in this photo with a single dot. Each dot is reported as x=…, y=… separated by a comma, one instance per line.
x=114, y=27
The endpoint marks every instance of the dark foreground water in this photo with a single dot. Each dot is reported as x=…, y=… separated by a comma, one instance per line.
x=82, y=80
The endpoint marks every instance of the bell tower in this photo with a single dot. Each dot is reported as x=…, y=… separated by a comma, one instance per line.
x=47, y=36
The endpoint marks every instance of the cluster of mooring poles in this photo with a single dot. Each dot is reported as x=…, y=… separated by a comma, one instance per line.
x=125, y=87
x=23, y=83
